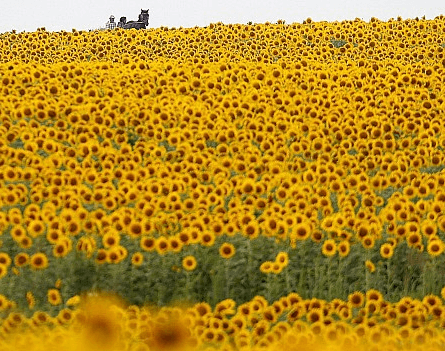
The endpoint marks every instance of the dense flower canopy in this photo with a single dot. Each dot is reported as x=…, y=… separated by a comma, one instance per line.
x=293, y=170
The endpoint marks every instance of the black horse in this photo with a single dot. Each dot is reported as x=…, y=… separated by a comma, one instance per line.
x=141, y=23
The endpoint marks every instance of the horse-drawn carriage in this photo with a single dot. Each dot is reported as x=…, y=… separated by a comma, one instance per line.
x=141, y=23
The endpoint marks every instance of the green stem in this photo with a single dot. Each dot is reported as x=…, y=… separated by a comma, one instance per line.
x=367, y=274
x=329, y=278
x=287, y=278
x=428, y=276
x=114, y=274
x=227, y=285
x=269, y=287
x=317, y=277
x=161, y=283
x=187, y=285
x=249, y=264
x=302, y=268
x=433, y=275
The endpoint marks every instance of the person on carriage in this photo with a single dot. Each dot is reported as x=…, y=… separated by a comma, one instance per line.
x=122, y=22
x=110, y=24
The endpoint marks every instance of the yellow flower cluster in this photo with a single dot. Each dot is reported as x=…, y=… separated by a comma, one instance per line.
x=281, y=261
x=171, y=154
x=364, y=321
x=291, y=135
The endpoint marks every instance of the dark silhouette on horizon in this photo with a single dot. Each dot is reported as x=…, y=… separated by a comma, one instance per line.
x=141, y=23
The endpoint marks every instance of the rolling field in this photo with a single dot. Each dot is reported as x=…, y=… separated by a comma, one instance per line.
x=232, y=187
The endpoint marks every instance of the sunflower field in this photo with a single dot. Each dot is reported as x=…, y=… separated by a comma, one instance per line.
x=232, y=187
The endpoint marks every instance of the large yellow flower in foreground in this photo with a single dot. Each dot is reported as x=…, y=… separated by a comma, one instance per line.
x=170, y=333
x=100, y=324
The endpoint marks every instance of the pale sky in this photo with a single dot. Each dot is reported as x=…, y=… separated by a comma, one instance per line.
x=56, y=15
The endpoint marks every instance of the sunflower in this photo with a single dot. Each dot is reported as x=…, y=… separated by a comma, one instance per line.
x=137, y=259
x=370, y=266
x=368, y=242
x=301, y=231
x=39, y=261
x=225, y=308
x=271, y=226
x=109, y=203
x=428, y=228
x=209, y=335
x=386, y=250
x=148, y=243
x=251, y=230
x=102, y=256
x=431, y=301
x=73, y=228
x=261, y=328
x=4, y=302
x=270, y=315
x=441, y=223
x=169, y=333
x=25, y=242
x=21, y=259
x=356, y=299
x=65, y=316
x=410, y=192
x=31, y=300
x=373, y=294
x=189, y=263
x=248, y=186
x=3, y=270
x=114, y=255
x=54, y=297
x=189, y=205
x=100, y=323
x=15, y=216
x=435, y=247
x=18, y=232
x=400, y=231
x=413, y=239
x=162, y=245
x=266, y=267
x=184, y=237
x=135, y=230
x=5, y=259
x=227, y=250
x=295, y=313
x=73, y=301
x=317, y=236
x=315, y=315
x=10, y=198
x=54, y=235
x=207, y=238
x=282, y=259
x=329, y=248
x=277, y=268
x=36, y=228
x=40, y=317
x=111, y=239
x=344, y=247
x=60, y=250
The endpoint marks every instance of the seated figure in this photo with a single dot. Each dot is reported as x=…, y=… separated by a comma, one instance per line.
x=122, y=22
